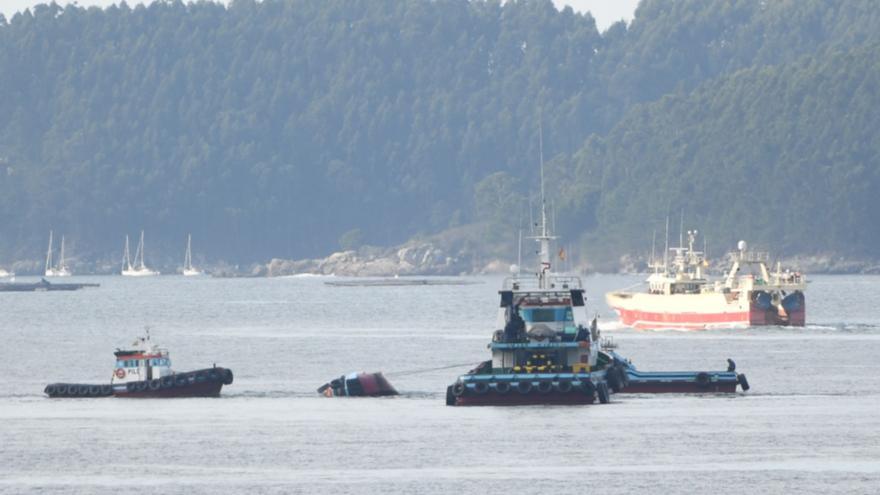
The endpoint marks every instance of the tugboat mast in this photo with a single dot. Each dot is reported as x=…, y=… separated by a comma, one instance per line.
x=544, y=238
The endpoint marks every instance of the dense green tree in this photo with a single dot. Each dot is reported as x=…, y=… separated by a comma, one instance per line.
x=271, y=128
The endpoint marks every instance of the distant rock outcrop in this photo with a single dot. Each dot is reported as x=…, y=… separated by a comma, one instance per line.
x=412, y=258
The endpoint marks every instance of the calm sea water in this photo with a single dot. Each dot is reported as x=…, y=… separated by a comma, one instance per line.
x=810, y=424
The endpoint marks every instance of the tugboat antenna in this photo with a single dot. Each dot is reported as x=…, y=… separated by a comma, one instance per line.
x=543, y=200
x=519, y=252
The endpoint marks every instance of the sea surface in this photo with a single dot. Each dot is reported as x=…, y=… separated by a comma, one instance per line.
x=810, y=423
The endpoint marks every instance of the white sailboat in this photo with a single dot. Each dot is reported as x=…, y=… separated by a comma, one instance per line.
x=139, y=269
x=188, y=269
x=59, y=270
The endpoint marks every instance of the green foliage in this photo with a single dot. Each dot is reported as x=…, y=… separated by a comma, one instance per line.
x=275, y=128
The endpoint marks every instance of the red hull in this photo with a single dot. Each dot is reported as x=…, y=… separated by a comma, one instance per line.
x=644, y=320
x=514, y=398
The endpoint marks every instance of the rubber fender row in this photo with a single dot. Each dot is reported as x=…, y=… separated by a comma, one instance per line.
x=182, y=380
x=586, y=387
x=78, y=390
x=524, y=387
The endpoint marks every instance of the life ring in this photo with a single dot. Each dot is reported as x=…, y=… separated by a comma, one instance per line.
x=167, y=381
x=82, y=390
x=545, y=386
x=524, y=387
x=481, y=388
x=140, y=386
x=564, y=386
x=180, y=380
x=94, y=390
x=50, y=390
x=120, y=373
x=155, y=384
x=502, y=387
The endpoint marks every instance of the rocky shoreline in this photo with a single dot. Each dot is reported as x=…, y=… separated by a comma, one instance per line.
x=427, y=258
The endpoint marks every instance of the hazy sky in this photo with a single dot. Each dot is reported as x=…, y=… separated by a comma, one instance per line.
x=606, y=12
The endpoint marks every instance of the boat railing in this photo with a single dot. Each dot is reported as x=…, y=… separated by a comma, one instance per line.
x=557, y=282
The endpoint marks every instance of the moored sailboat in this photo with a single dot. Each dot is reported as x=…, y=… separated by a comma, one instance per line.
x=60, y=269
x=188, y=269
x=139, y=269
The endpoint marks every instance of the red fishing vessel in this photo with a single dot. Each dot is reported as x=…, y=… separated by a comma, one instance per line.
x=682, y=297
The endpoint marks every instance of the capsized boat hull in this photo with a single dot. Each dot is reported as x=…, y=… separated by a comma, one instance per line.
x=358, y=384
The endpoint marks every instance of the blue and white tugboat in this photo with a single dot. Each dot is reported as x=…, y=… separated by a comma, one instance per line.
x=144, y=370
x=545, y=350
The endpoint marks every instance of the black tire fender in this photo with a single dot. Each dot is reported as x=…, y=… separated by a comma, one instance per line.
x=588, y=388
x=703, y=379
x=458, y=389
x=545, y=386
x=524, y=387
x=602, y=392
x=481, y=388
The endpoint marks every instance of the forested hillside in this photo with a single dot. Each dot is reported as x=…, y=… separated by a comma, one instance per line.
x=284, y=128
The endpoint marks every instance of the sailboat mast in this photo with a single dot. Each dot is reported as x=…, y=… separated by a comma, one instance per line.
x=139, y=256
x=187, y=262
x=61, y=255
x=49, y=255
x=126, y=257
